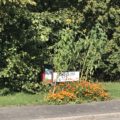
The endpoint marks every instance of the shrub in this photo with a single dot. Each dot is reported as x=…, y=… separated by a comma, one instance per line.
x=4, y=91
x=33, y=88
x=76, y=92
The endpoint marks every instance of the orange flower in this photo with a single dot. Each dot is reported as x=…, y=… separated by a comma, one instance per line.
x=75, y=90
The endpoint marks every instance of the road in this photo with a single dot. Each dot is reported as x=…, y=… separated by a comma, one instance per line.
x=109, y=110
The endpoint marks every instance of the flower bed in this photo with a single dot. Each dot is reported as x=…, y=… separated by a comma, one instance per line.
x=76, y=92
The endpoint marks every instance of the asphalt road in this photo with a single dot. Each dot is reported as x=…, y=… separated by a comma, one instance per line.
x=109, y=110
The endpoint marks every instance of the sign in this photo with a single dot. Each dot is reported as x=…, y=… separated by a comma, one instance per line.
x=48, y=74
x=66, y=76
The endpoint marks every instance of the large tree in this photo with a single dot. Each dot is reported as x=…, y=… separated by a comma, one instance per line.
x=70, y=35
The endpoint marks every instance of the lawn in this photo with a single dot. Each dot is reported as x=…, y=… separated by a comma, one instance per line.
x=22, y=99
x=35, y=99
x=113, y=89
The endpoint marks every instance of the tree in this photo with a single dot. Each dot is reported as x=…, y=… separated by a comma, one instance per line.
x=17, y=62
x=71, y=35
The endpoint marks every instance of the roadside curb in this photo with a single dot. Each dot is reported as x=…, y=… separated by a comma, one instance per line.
x=105, y=116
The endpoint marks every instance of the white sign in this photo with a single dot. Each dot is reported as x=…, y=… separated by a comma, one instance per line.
x=66, y=76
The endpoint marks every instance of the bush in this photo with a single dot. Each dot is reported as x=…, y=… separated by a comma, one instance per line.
x=31, y=87
x=76, y=92
x=78, y=35
x=34, y=88
x=4, y=91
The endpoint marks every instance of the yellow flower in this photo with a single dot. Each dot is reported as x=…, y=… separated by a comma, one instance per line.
x=68, y=21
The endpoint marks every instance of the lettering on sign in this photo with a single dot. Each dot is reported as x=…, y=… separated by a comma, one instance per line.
x=66, y=76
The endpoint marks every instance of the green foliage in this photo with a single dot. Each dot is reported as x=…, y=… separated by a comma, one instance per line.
x=79, y=38
x=79, y=35
x=93, y=47
x=33, y=88
x=4, y=91
x=17, y=72
x=20, y=2
x=18, y=63
x=63, y=50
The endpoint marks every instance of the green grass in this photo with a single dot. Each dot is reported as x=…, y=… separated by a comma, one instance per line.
x=22, y=99
x=113, y=89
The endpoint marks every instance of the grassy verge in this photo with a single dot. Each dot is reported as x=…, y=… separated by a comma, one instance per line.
x=22, y=99
x=35, y=99
x=113, y=89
